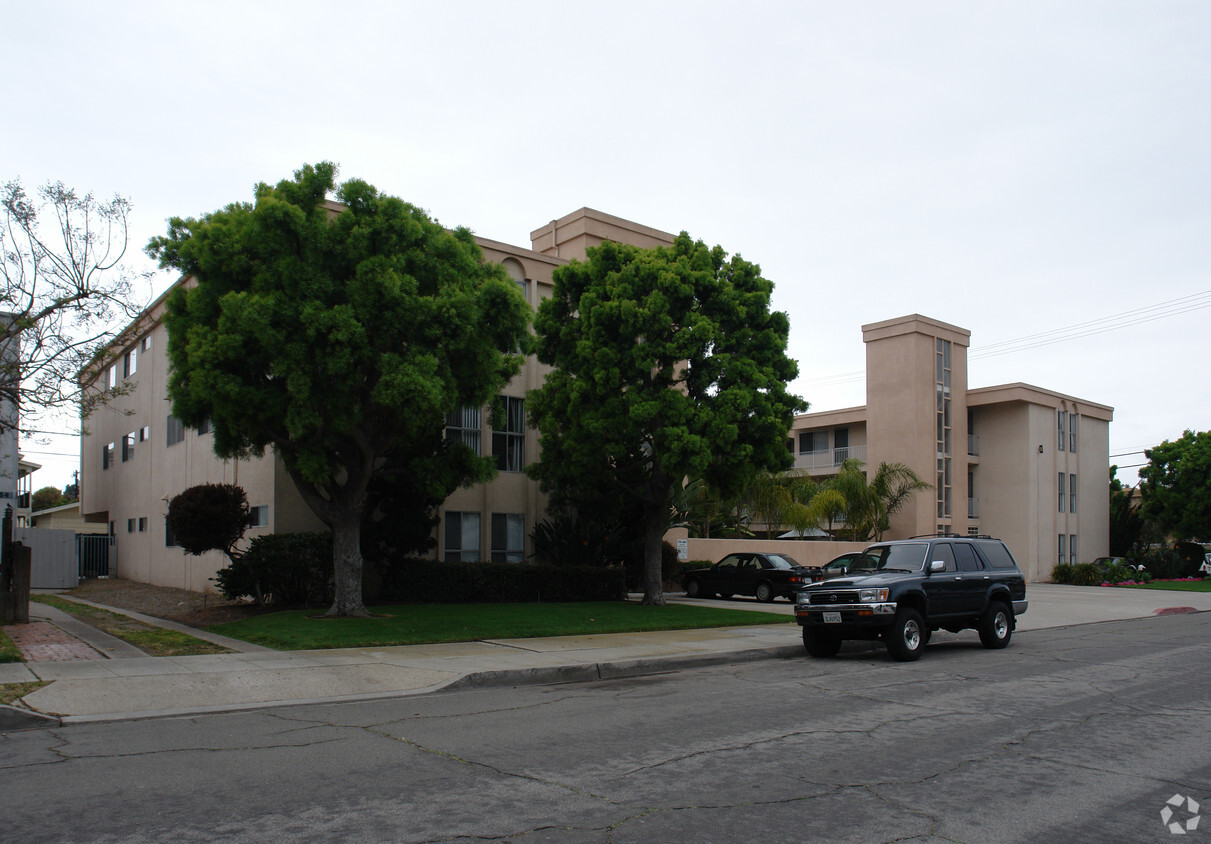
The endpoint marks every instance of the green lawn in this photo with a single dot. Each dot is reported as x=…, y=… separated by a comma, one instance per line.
x=8, y=651
x=1203, y=585
x=415, y=624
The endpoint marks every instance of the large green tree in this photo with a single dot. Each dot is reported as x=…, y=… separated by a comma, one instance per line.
x=1175, y=486
x=1126, y=523
x=668, y=364
x=339, y=335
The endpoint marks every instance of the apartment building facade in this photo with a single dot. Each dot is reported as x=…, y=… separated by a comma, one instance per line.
x=1022, y=463
x=135, y=456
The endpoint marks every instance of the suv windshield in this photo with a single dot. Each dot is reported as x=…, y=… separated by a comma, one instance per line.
x=908, y=556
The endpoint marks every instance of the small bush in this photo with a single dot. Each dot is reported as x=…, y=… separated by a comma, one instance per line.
x=1169, y=564
x=1062, y=573
x=284, y=569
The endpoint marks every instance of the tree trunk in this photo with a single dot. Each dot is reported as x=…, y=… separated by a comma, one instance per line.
x=655, y=517
x=347, y=568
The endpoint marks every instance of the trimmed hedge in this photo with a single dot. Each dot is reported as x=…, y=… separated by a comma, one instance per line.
x=434, y=582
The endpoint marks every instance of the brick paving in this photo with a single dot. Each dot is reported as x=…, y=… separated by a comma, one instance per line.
x=41, y=641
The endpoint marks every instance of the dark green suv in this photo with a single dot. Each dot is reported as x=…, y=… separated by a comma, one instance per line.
x=902, y=591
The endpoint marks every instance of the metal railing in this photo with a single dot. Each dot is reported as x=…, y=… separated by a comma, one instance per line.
x=829, y=459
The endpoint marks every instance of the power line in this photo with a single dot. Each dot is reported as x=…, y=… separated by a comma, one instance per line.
x=1089, y=328
x=1126, y=319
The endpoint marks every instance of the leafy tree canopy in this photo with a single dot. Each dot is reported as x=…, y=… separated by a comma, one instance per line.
x=1175, y=486
x=339, y=335
x=45, y=498
x=668, y=364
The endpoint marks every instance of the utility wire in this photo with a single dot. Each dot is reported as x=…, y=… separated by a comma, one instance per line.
x=1125, y=319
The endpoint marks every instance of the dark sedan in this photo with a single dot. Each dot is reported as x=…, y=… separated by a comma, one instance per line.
x=765, y=576
x=839, y=566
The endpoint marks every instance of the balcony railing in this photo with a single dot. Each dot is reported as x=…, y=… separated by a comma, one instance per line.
x=829, y=460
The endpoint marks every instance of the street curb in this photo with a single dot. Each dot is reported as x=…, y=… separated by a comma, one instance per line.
x=13, y=718
x=616, y=669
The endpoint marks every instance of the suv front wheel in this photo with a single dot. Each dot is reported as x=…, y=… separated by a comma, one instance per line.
x=906, y=637
x=996, y=626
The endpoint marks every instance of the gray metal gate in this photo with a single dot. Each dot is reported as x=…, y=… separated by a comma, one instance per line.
x=92, y=551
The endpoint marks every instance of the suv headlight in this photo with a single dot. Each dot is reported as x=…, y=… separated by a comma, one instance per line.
x=873, y=596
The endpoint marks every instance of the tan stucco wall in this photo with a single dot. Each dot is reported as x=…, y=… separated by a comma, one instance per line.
x=807, y=553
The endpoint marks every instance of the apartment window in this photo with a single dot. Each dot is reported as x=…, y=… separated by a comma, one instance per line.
x=508, y=537
x=1063, y=555
x=204, y=428
x=107, y=455
x=1072, y=432
x=944, y=425
x=130, y=363
x=142, y=524
x=509, y=443
x=175, y=430
x=1072, y=493
x=113, y=376
x=258, y=516
x=1061, y=488
x=806, y=442
x=144, y=433
x=462, y=537
x=128, y=446
x=170, y=541
x=145, y=343
x=840, y=445
x=1059, y=415
x=130, y=525
x=1072, y=548
x=463, y=426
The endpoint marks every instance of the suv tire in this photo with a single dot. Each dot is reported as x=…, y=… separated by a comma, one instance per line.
x=905, y=639
x=996, y=625
x=821, y=644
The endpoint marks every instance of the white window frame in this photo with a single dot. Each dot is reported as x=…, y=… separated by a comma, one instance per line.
x=461, y=535
x=511, y=527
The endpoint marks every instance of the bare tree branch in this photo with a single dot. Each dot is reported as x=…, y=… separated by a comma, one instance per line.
x=64, y=295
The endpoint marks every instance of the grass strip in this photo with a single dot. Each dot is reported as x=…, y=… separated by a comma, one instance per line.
x=416, y=624
x=12, y=691
x=1172, y=585
x=8, y=651
x=156, y=641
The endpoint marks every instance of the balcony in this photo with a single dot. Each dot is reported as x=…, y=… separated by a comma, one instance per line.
x=829, y=460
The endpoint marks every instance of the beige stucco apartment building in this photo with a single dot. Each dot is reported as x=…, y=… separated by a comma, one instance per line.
x=135, y=455
x=1021, y=463
x=998, y=457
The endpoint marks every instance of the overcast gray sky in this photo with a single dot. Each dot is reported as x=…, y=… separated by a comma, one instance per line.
x=1015, y=168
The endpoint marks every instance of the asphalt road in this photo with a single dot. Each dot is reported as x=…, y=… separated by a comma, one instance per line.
x=1072, y=734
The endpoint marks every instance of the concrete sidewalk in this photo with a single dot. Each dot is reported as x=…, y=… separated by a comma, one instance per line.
x=126, y=686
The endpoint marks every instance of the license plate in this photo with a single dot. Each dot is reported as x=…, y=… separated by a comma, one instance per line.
x=832, y=618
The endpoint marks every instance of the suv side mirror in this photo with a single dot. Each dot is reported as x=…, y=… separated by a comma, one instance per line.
x=937, y=565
